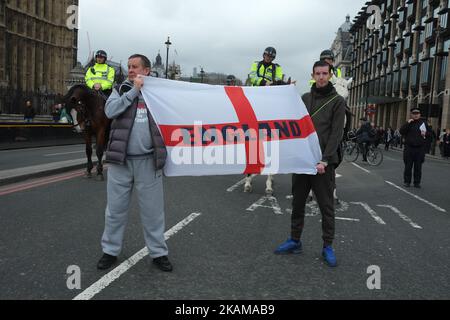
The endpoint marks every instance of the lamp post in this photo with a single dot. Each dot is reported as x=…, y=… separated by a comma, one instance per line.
x=202, y=74
x=167, y=43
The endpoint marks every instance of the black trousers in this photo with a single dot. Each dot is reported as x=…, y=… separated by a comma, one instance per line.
x=322, y=186
x=414, y=157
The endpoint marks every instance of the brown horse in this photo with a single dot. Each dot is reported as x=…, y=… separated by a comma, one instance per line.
x=87, y=108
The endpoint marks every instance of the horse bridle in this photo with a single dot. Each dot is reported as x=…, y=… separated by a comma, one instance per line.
x=80, y=108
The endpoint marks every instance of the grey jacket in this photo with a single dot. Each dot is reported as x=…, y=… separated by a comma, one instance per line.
x=329, y=122
x=122, y=126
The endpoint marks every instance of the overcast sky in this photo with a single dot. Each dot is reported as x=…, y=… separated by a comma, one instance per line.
x=221, y=36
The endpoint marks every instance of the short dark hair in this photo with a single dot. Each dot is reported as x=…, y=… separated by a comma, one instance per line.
x=322, y=63
x=145, y=61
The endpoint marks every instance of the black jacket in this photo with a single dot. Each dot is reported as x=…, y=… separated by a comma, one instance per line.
x=366, y=133
x=413, y=135
x=29, y=113
x=329, y=122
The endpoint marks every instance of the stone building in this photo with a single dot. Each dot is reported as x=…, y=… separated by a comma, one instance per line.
x=342, y=48
x=37, y=52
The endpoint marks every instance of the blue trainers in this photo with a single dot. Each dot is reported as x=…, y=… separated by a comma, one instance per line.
x=289, y=247
x=329, y=257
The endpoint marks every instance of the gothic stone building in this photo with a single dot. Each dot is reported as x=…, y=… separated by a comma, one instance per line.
x=37, y=52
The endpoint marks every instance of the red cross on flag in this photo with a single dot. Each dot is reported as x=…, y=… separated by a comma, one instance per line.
x=217, y=130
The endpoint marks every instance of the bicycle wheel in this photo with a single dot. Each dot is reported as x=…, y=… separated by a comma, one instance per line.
x=351, y=152
x=375, y=157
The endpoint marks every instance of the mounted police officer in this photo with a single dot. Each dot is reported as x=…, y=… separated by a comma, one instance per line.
x=328, y=57
x=265, y=72
x=100, y=77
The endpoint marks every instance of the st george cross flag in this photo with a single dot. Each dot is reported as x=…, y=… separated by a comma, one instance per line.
x=216, y=130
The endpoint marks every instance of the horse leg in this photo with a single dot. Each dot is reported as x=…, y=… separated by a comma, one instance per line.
x=248, y=184
x=100, y=147
x=269, y=184
x=90, y=166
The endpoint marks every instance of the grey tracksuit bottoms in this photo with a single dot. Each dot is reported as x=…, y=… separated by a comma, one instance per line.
x=147, y=182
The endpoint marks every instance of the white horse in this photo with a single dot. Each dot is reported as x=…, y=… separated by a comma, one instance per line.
x=249, y=188
x=342, y=85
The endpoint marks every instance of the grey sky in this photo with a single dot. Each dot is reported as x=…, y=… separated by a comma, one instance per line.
x=222, y=36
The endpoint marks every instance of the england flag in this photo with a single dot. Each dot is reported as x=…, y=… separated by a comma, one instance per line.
x=216, y=130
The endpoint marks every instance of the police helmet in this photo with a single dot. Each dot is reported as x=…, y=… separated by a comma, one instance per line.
x=327, y=54
x=231, y=79
x=101, y=54
x=271, y=52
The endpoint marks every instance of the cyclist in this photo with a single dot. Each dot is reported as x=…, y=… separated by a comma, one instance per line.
x=365, y=136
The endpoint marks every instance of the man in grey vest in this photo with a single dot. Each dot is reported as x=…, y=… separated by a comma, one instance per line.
x=137, y=155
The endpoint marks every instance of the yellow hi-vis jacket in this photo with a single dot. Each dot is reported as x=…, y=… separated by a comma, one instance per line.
x=260, y=73
x=336, y=74
x=102, y=74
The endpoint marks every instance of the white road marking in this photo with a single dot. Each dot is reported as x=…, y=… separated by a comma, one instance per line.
x=273, y=201
x=401, y=215
x=237, y=185
x=63, y=153
x=109, y=278
x=392, y=159
x=347, y=219
x=359, y=167
x=370, y=211
x=338, y=175
x=314, y=209
x=417, y=197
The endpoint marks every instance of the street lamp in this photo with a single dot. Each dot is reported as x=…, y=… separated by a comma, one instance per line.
x=202, y=74
x=167, y=43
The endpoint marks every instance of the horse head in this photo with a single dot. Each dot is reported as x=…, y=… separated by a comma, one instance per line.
x=77, y=100
x=342, y=86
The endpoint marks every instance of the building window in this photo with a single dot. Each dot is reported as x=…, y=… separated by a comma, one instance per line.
x=396, y=81
x=443, y=22
x=401, y=17
x=444, y=68
x=429, y=30
x=405, y=79
x=407, y=42
x=385, y=57
x=382, y=86
x=389, y=84
x=425, y=72
x=410, y=10
x=399, y=48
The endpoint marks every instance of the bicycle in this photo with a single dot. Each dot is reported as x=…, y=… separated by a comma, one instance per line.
x=352, y=150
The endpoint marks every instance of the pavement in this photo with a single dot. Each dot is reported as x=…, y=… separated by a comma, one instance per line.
x=17, y=165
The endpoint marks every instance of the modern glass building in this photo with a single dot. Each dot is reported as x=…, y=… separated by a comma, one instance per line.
x=401, y=62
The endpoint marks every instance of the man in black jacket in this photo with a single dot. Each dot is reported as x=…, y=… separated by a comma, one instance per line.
x=365, y=136
x=327, y=110
x=415, y=133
